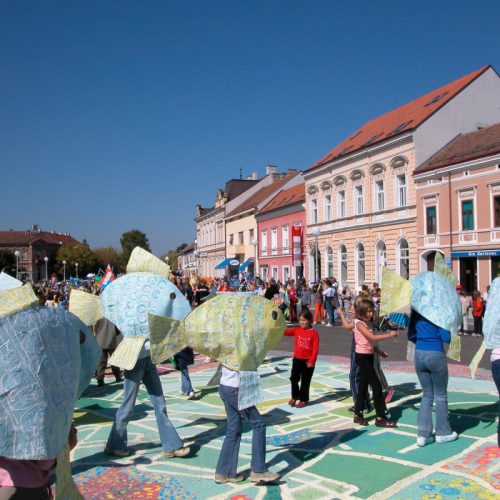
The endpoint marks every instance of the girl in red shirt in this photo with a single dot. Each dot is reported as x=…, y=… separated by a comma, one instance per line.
x=305, y=352
x=477, y=313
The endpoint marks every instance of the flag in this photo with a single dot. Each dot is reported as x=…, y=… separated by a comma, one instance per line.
x=107, y=278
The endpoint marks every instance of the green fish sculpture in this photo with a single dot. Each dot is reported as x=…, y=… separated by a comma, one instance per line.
x=235, y=329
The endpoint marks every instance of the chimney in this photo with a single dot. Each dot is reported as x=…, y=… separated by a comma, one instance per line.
x=271, y=169
x=254, y=176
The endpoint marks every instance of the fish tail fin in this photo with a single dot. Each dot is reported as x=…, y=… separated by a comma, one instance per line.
x=143, y=261
x=86, y=306
x=167, y=336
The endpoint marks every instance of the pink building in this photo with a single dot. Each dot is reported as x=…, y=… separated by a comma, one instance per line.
x=459, y=188
x=279, y=225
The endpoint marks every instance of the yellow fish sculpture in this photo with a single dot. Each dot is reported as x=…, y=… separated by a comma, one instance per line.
x=235, y=329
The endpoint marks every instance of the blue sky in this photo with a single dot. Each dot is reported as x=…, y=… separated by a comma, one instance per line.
x=119, y=115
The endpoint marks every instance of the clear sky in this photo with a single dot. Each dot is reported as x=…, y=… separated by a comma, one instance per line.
x=120, y=114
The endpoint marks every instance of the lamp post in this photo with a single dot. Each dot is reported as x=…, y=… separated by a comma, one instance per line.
x=17, y=253
x=255, y=243
x=316, y=232
x=76, y=269
x=46, y=259
x=64, y=270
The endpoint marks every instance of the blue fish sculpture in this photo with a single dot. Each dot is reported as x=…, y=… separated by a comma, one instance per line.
x=128, y=300
x=47, y=358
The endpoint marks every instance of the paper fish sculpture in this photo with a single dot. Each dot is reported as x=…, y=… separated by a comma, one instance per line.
x=235, y=329
x=47, y=358
x=7, y=281
x=491, y=323
x=128, y=300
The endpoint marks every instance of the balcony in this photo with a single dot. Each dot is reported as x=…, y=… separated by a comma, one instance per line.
x=495, y=234
x=431, y=240
x=467, y=237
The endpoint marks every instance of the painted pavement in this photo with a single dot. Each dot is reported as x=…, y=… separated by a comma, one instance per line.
x=318, y=450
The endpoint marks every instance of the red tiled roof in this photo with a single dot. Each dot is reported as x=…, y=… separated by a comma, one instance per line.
x=262, y=194
x=286, y=197
x=399, y=120
x=465, y=147
x=28, y=237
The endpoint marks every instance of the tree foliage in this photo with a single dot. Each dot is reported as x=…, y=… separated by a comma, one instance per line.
x=108, y=255
x=8, y=262
x=74, y=253
x=130, y=240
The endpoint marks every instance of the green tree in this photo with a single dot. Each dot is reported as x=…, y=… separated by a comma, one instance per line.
x=8, y=262
x=130, y=240
x=108, y=255
x=74, y=253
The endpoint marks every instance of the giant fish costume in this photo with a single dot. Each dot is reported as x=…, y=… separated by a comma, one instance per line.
x=128, y=300
x=235, y=329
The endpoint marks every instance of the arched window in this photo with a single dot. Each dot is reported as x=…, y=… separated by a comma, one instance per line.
x=329, y=262
x=343, y=264
x=360, y=265
x=314, y=265
x=380, y=260
x=403, y=255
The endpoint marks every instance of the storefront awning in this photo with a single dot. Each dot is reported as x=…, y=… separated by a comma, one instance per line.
x=223, y=264
x=245, y=264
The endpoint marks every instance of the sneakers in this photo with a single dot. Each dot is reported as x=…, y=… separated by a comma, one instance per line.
x=292, y=402
x=385, y=422
x=422, y=441
x=389, y=395
x=191, y=395
x=301, y=404
x=328, y=324
x=446, y=439
x=180, y=452
x=264, y=477
x=117, y=453
x=360, y=421
x=219, y=478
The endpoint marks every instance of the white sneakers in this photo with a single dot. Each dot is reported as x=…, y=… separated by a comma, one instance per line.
x=191, y=395
x=422, y=441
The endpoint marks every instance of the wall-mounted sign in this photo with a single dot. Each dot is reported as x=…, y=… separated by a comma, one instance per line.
x=234, y=262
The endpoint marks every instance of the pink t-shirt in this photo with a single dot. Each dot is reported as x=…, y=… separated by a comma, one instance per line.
x=363, y=345
x=25, y=473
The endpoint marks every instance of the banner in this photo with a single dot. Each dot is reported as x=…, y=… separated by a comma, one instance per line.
x=296, y=246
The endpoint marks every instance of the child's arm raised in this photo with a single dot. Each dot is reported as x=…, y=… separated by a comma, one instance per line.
x=370, y=336
x=346, y=324
x=289, y=332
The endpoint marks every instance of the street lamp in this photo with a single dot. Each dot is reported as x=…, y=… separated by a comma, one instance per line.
x=76, y=269
x=46, y=259
x=316, y=232
x=64, y=270
x=17, y=253
x=255, y=243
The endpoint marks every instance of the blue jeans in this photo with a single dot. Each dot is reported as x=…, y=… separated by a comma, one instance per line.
x=495, y=371
x=186, y=386
x=144, y=371
x=330, y=311
x=228, y=458
x=432, y=372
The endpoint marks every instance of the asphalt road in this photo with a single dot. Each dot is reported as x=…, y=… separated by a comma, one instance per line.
x=335, y=341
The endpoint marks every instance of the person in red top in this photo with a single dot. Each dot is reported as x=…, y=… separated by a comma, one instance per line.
x=477, y=312
x=305, y=352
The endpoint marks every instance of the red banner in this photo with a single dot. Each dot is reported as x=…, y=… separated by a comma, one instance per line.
x=296, y=246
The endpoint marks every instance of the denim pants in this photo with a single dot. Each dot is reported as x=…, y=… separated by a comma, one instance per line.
x=330, y=311
x=186, y=386
x=228, y=458
x=144, y=371
x=495, y=371
x=432, y=372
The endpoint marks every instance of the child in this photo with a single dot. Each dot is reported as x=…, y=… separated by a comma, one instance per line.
x=364, y=357
x=305, y=298
x=319, y=310
x=305, y=352
x=477, y=313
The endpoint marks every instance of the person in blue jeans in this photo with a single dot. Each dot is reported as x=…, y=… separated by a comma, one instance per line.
x=182, y=360
x=432, y=372
x=227, y=465
x=144, y=371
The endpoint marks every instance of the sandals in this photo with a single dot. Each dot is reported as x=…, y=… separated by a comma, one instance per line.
x=360, y=421
x=384, y=422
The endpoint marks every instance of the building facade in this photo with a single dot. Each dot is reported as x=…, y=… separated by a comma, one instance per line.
x=458, y=208
x=360, y=197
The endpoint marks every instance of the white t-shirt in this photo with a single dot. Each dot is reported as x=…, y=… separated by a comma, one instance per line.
x=230, y=378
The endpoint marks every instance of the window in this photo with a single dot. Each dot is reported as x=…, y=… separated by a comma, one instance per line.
x=467, y=215
x=285, y=239
x=328, y=207
x=230, y=239
x=360, y=265
x=250, y=235
x=286, y=273
x=263, y=243
x=358, y=199
x=343, y=264
x=329, y=262
x=403, y=259
x=241, y=241
x=401, y=182
x=314, y=211
x=430, y=218
x=381, y=260
x=274, y=273
x=496, y=202
x=274, y=241
x=379, y=195
x=265, y=273
x=341, y=204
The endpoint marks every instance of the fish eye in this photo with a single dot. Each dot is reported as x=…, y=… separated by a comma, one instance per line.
x=172, y=296
x=274, y=315
x=82, y=337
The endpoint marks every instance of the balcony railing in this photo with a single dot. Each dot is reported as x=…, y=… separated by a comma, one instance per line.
x=431, y=240
x=466, y=237
x=495, y=235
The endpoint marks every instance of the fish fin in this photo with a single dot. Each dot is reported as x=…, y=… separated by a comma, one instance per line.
x=16, y=299
x=455, y=347
x=141, y=261
x=443, y=269
x=66, y=487
x=396, y=292
x=127, y=352
x=476, y=360
x=86, y=306
x=167, y=336
x=7, y=281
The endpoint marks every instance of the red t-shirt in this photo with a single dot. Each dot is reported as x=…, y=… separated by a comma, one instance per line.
x=477, y=307
x=25, y=473
x=306, y=343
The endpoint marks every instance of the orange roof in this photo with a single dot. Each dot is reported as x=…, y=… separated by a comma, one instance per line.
x=296, y=194
x=262, y=194
x=29, y=237
x=399, y=120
